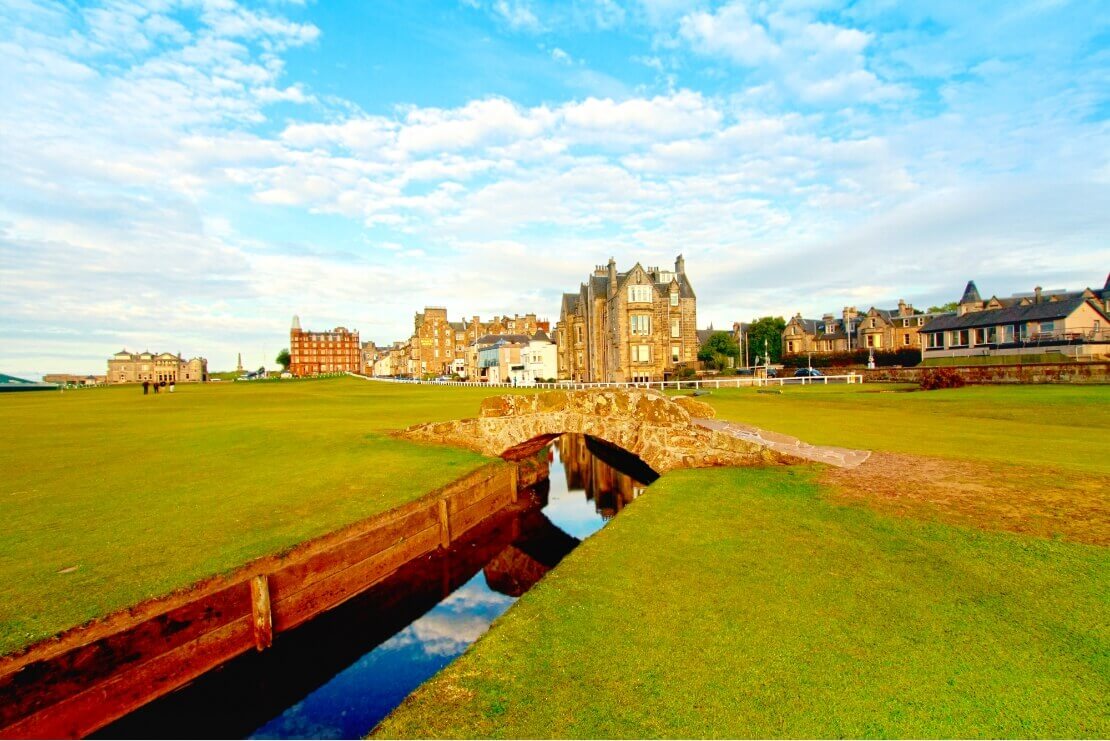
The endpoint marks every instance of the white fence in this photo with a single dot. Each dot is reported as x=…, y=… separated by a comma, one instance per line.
x=705, y=383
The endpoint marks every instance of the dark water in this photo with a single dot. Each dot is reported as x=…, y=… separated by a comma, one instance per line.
x=340, y=674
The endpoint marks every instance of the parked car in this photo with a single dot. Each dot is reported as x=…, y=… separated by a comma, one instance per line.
x=808, y=373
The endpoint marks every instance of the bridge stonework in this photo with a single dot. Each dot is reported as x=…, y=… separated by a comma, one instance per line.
x=660, y=430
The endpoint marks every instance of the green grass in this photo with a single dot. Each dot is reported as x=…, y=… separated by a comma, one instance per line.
x=1065, y=428
x=739, y=603
x=1050, y=357
x=146, y=494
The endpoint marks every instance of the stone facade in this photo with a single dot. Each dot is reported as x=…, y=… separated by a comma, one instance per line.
x=876, y=329
x=648, y=424
x=127, y=367
x=640, y=325
x=313, y=353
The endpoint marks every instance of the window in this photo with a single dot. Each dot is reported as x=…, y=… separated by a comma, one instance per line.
x=676, y=353
x=980, y=336
x=920, y=321
x=578, y=335
x=872, y=323
x=676, y=327
x=1048, y=326
x=674, y=298
x=906, y=339
x=641, y=353
x=640, y=324
x=639, y=294
x=790, y=346
x=1008, y=333
x=871, y=340
x=936, y=339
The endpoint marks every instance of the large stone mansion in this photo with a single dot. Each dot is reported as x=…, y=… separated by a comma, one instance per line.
x=639, y=325
x=128, y=367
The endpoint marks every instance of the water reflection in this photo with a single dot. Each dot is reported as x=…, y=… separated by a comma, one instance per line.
x=340, y=674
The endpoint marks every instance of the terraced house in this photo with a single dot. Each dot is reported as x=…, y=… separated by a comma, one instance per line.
x=639, y=325
x=1073, y=324
x=876, y=329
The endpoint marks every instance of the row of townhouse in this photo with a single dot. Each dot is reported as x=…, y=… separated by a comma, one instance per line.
x=1073, y=323
x=1024, y=323
x=440, y=347
x=875, y=329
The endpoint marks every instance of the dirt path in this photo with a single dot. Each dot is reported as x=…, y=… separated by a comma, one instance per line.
x=992, y=496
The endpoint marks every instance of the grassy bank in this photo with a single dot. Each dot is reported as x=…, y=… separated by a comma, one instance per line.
x=1061, y=427
x=741, y=603
x=110, y=497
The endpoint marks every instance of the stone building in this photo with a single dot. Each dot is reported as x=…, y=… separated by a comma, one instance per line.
x=633, y=326
x=128, y=367
x=876, y=329
x=439, y=346
x=312, y=353
x=1071, y=323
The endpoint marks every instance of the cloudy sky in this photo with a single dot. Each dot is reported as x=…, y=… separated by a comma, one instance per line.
x=186, y=175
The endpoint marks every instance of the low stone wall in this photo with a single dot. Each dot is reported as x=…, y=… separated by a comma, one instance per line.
x=646, y=423
x=998, y=374
x=71, y=685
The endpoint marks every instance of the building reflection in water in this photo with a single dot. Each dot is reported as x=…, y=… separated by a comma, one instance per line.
x=611, y=477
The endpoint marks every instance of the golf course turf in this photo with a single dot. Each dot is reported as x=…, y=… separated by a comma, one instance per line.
x=751, y=603
x=110, y=497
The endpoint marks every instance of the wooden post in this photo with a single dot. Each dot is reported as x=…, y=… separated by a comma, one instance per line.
x=444, y=524
x=260, y=608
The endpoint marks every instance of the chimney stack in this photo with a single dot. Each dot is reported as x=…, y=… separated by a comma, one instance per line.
x=612, y=277
x=1037, y=294
x=680, y=265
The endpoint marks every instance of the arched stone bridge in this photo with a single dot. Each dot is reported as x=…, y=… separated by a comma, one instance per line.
x=658, y=429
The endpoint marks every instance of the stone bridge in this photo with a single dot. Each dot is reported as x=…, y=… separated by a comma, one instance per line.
x=658, y=429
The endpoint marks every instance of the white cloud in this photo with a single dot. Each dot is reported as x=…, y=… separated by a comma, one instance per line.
x=729, y=32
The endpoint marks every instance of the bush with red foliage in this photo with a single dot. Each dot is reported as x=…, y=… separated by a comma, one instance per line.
x=942, y=378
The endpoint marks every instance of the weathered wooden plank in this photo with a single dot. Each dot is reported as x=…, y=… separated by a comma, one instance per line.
x=296, y=607
x=81, y=713
x=40, y=683
x=444, y=525
x=260, y=612
x=296, y=574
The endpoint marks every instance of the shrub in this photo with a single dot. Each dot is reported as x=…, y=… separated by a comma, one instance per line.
x=942, y=378
x=905, y=357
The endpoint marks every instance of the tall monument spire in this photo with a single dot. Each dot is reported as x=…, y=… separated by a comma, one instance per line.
x=239, y=365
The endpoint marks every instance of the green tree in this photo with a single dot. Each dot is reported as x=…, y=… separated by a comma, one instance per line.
x=950, y=306
x=718, y=349
x=284, y=359
x=766, y=333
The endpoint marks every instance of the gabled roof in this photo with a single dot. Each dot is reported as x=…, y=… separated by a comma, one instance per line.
x=540, y=336
x=704, y=335
x=1043, y=311
x=493, y=339
x=971, y=294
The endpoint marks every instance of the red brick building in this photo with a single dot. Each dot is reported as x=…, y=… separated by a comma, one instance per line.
x=311, y=353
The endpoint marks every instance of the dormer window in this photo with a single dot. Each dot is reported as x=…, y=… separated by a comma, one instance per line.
x=639, y=294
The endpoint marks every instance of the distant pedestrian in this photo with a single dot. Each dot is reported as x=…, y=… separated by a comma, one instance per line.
x=155, y=385
x=146, y=387
x=172, y=383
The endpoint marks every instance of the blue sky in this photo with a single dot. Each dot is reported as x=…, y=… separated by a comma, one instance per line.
x=186, y=175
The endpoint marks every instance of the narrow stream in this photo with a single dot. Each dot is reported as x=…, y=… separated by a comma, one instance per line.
x=340, y=674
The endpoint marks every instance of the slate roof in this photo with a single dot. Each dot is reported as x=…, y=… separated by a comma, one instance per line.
x=493, y=339
x=600, y=283
x=540, y=336
x=1045, y=310
x=458, y=326
x=704, y=335
x=971, y=293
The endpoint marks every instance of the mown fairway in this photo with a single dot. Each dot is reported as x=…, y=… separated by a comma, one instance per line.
x=1062, y=427
x=750, y=603
x=145, y=494
x=736, y=603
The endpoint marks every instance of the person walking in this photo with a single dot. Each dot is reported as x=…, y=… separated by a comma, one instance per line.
x=146, y=387
x=155, y=385
x=172, y=384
